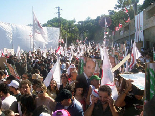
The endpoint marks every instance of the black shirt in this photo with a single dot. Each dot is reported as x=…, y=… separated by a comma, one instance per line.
x=98, y=110
x=133, y=106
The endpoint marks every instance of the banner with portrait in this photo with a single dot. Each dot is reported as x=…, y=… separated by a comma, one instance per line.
x=83, y=61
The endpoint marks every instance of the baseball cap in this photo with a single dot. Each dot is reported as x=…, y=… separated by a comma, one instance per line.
x=64, y=94
x=95, y=77
x=14, y=84
x=62, y=112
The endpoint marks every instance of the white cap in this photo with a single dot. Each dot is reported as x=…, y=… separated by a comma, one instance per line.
x=44, y=114
x=14, y=84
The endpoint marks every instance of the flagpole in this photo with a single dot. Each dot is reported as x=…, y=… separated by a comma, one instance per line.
x=33, y=27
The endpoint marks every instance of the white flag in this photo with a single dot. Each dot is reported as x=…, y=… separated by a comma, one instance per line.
x=18, y=54
x=53, y=74
x=38, y=29
x=135, y=55
x=108, y=77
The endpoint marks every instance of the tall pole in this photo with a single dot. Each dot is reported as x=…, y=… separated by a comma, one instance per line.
x=59, y=21
x=33, y=28
x=30, y=40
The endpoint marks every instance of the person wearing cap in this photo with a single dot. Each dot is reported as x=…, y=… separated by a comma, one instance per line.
x=130, y=99
x=64, y=101
x=104, y=106
x=14, y=87
x=94, y=81
x=70, y=69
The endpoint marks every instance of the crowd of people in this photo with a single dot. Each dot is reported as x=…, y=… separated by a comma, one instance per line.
x=78, y=95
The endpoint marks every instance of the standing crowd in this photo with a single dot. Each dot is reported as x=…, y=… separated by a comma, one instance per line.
x=77, y=95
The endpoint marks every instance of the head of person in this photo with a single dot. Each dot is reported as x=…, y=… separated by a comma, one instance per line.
x=41, y=90
x=14, y=85
x=53, y=85
x=138, y=93
x=64, y=79
x=4, y=89
x=78, y=89
x=43, y=109
x=64, y=97
x=95, y=80
x=72, y=67
x=9, y=113
x=27, y=104
x=35, y=82
x=25, y=76
x=74, y=74
x=37, y=76
x=95, y=95
x=1, y=74
x=61, y=112
x=9, y=79
x=104, y=92
x=4, y=73
x=25, y=87
x=89, y=68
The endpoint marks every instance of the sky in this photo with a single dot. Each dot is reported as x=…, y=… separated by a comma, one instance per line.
x=20, y=11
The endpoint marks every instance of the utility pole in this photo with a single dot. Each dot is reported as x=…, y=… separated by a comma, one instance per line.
x=59, y=15
x=59, y=21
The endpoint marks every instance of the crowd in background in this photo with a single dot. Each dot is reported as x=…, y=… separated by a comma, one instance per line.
x=78, y=94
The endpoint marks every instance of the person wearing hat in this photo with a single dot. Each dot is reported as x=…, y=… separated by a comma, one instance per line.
x=64, y=101
x=14, y=87
x=131, y=100
x=94, y=81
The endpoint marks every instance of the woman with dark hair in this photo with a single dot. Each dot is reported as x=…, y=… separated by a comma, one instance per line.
x=65, y=83
x=52, y=89
x=79, y=95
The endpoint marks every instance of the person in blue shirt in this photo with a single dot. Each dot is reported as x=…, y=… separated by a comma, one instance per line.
x=65, y=101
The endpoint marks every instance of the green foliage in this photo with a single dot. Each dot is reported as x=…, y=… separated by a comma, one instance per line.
x=93, y=29
x=146, y=4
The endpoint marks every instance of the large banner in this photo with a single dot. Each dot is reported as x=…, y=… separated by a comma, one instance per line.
x=13, y=36
x=150, y=81
x=83, y=60
x=139, y=27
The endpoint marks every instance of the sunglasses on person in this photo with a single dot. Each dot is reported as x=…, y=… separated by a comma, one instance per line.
x=39, y=92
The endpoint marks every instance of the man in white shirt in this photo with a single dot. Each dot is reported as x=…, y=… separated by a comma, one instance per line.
x=9, y=101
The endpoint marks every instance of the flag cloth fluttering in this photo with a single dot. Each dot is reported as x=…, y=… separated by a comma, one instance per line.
x=53, y=74
x=126, y=11
x=107, y=75
x=134, y=55
x=38, y=29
